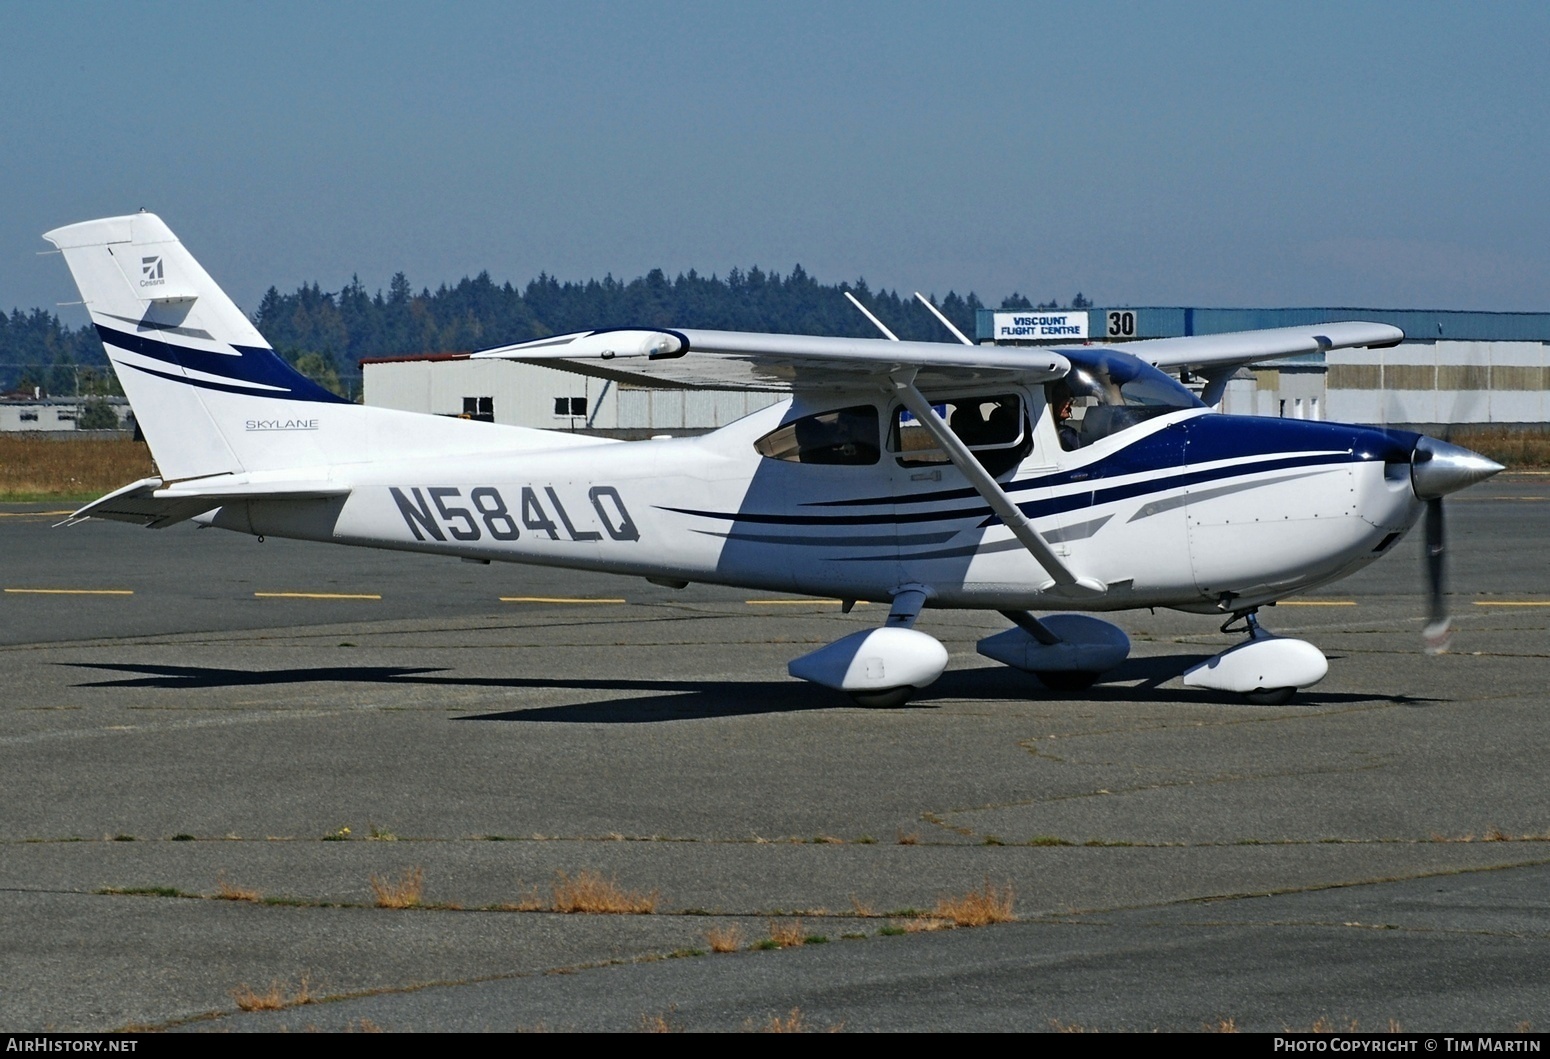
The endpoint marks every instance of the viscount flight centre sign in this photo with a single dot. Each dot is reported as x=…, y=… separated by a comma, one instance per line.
x=1039, y=325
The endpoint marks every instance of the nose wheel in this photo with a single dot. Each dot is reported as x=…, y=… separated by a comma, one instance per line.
x=1267, y=670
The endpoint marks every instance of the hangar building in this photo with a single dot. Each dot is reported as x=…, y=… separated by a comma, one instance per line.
x=1454, y=368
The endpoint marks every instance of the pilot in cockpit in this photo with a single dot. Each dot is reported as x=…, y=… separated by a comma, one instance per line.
x=1061, y=400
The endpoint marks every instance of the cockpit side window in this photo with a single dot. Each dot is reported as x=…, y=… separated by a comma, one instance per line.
x=1107, y=392
x=845, y=436
x=994, y=428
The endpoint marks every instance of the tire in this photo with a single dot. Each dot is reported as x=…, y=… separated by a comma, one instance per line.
x=1270, y=696
x=1067, y=679
x=886, y=699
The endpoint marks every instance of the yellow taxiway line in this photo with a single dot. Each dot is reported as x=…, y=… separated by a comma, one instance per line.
x=1512, y=602
x=1317, y=603
x=554, y=599
x=800, y=602
x=317, y=595
x=72, y=591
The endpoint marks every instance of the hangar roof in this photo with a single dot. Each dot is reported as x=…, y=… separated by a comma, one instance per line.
x=1419, y=325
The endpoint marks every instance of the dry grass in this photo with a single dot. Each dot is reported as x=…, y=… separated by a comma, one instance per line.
x=792, y=1023
x=1516, y=449
x=1227, y=1025
x=910, y=839
x=663, y=1022
x=787, y=933
x=37, y=468
x=861, y=908
x=274, y=998
x=225, y=891
x=728, y=938
x=977, y=908
x=404, y=892
x=590, y=892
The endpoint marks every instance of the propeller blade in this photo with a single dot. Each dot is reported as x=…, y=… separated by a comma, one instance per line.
x=1438, y=634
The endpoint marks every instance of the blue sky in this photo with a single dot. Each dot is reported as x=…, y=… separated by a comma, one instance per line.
x=1389, y=155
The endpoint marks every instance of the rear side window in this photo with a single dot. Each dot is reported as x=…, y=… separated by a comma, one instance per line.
x=993, y=427
x=843, y=436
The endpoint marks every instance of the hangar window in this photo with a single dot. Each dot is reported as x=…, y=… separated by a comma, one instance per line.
x=843, y=436
x=993, y=427
x=568, y=407
x=480, y=408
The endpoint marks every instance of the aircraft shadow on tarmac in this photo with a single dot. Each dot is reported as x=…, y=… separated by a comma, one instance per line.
x=641, y=701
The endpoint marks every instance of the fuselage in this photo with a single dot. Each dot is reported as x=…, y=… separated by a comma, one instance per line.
x=1190, y=509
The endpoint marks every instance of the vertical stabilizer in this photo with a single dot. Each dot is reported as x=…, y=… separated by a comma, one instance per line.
x=182, y=350
x=210, y=394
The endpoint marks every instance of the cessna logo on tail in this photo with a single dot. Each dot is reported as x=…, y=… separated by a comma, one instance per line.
x=151, y=271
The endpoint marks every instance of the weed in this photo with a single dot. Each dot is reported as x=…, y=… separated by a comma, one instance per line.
x=910, y=839
x=225, y=891
x=377, y=834
x=1496, y=834
x=362, y=1025
x=852, y=935
x=1049, y=840
x=792, y=1023
x=143, y=891
x=765, y=945
x=816, y=939
x=249, y=1000
x=1067, y=1027
x=892, y=931
x=787, y=933
x=979, y=907
x=182, y=838
x=664, y=1022
x=861, y=908
x=866, y=840
x=529, y=902
x=404, y=893
x=123, y=838
x=828, y=840
x=992, y=840
x=342, y=835
x=727, y=938
x=926, y=924
x=589, y=891
x=1227, y=1025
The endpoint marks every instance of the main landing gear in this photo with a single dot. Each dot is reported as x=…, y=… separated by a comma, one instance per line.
x=1067, y=652
x=1266, y=669
x=879, y=668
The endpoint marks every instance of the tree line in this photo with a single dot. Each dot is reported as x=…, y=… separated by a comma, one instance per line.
x=326, y=333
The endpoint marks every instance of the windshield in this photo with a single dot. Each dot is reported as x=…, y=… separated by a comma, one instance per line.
x=1108, y=391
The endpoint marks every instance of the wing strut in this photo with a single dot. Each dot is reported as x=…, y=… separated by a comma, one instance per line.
x=1064, y=582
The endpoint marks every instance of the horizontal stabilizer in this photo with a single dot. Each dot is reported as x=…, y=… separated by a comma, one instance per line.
x=151, y=503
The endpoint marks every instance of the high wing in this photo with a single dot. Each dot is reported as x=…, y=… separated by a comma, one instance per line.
x=743, y=360
x=1204, y=352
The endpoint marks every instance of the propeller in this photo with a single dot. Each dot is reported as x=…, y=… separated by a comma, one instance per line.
x=1437, y=469
x=1438, y=634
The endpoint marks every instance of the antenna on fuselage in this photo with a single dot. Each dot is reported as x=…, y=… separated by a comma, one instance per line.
x=959, y=335
x=868, y=314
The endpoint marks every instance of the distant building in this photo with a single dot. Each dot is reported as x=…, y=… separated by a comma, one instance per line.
x=1454, y=368
x=57, y=413
x=503, y=391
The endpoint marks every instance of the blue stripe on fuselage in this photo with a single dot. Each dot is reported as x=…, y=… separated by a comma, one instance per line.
x=1176, y=448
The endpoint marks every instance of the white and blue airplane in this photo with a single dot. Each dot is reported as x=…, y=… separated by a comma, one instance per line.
x=916, y=474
